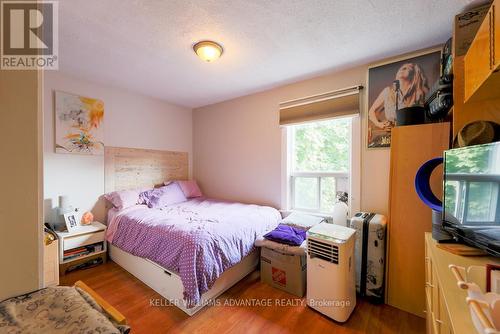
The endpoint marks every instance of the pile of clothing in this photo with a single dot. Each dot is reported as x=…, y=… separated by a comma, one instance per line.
x=286, y=234
x=290, y=235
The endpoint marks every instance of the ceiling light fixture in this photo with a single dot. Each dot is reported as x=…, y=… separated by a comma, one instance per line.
x=208, y=50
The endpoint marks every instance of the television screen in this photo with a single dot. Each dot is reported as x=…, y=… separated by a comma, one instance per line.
x=471, y=203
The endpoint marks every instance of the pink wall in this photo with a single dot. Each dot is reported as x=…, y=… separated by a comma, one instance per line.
x=238, y=147
x=235, y=146
x=131, y=120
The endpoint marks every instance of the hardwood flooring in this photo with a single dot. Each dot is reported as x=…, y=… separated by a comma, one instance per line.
x=133, y=299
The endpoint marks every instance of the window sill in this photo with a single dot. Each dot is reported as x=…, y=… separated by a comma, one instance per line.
x=285, y=213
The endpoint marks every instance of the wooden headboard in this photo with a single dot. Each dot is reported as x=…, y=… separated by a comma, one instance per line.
x=130, y=168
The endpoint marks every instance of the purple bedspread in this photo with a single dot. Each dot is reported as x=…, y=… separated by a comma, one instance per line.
x=198, y=239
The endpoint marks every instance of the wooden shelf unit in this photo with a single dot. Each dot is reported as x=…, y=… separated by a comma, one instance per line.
x=482, y=61
x=409, y=217
x=476, y=84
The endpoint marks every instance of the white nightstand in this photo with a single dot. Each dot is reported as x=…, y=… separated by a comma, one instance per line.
x=85, y=243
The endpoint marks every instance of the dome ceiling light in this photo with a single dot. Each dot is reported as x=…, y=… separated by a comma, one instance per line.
x=208, y=51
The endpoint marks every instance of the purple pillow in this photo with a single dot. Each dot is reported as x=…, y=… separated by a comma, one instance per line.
x=145, y=196
x=124, y=198
x=163, y=196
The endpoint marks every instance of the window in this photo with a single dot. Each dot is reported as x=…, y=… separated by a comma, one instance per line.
x=319, y=163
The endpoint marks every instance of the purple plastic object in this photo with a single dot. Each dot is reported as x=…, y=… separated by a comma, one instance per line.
x=422, y=185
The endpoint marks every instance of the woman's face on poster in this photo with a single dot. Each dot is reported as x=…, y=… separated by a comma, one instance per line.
x=405, y=72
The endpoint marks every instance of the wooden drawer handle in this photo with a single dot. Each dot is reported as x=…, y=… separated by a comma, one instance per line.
x=492, y=37
x=458, y=276
x=478, y=310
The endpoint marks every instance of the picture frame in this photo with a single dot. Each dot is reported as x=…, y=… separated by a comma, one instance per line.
x=492, y=278
x=72, y=220
x=79, y=124
x=381, y=78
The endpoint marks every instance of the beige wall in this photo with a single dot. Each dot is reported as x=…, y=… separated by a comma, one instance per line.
x=21, y=182
x=131, y=120
x=237, y=145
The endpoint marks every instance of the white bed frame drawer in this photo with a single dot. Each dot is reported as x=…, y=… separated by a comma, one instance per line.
x=83, y=240
x=169, y=285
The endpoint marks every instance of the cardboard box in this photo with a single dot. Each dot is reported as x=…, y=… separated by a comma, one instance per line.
x=465, y=28
x=283, y=271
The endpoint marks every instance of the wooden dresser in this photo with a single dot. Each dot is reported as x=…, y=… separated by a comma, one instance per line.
x=446, y=309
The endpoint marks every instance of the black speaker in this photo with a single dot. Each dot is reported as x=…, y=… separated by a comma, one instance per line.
x=410, y=116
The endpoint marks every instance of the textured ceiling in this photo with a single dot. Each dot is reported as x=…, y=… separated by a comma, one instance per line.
x=145, y=45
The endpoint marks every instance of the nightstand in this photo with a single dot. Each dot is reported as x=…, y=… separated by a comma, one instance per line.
x=83, y=244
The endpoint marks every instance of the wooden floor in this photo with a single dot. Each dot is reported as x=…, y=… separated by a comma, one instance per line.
x=133, y=298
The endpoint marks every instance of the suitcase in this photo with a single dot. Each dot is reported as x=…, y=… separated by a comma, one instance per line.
x=370, y=254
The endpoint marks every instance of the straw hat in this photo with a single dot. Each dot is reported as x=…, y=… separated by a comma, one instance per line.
x=476, y=133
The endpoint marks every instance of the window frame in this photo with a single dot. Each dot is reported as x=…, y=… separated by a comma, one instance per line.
x=318, y=176
x=353, y=175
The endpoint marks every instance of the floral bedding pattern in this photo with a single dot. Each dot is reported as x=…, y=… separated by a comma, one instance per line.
x=56, y=310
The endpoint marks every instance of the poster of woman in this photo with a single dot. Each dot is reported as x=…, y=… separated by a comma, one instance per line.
x=394, y=86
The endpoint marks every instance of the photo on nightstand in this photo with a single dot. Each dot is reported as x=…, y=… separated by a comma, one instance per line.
x=72, y=220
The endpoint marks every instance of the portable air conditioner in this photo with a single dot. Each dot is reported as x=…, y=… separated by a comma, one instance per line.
x=331, y=281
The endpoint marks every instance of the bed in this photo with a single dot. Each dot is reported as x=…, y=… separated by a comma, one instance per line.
x=190, y=252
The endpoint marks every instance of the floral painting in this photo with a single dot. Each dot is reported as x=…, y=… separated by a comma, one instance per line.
x=79, y=124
